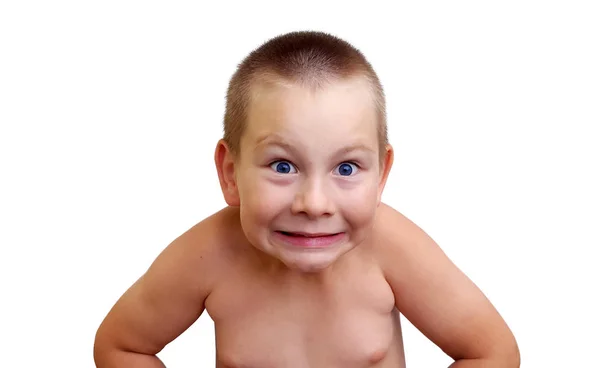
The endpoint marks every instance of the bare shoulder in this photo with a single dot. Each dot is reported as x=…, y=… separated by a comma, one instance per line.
x=395, y=234
x=171, y=294
x=197, y=255
x=401, y=242
x=436, y=296
x=389, y=222
x=206, y=243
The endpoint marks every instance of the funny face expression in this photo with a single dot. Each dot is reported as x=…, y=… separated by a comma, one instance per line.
x=308, y=177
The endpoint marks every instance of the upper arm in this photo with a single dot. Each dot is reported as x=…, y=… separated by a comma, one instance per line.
x=436, y=297
x=165, y=301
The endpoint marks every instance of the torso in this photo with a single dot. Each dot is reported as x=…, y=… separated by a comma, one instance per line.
x=264, y=319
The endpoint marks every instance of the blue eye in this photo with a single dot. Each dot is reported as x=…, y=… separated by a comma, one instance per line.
x=347, y=169
x=283, y=167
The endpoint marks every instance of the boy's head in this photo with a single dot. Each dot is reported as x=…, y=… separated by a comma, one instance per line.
x=305, y=153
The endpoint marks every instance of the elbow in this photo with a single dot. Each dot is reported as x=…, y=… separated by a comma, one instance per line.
x=100, y=349
x=512, y=353
x=509, y=356
x=109, y=351
x=513, y=356
x=500, y=354
x=104, y=348
x=504, y=350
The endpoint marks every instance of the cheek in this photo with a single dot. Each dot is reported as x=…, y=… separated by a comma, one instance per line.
x=360, y=204
x=261, y=199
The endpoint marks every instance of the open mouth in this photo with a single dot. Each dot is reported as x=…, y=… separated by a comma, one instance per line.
x=306, y=235
x=309, y=239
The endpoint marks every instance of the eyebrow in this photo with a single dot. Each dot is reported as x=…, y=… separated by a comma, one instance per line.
x=353, y=148
x=273, y=140
x=277, y=140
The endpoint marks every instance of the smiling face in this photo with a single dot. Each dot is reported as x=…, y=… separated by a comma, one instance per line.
x=309, y=177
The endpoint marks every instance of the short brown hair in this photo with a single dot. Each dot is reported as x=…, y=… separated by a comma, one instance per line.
x=308, y=58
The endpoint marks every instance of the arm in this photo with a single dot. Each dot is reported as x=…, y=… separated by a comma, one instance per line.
x=159, y=306
x=439, y=300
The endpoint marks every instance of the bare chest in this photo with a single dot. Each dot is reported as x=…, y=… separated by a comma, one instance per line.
x=265, y=325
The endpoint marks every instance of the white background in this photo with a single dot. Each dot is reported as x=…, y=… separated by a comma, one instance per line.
x=110, y=112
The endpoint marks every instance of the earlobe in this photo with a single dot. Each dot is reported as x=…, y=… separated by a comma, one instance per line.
x=386, y=166
x=225, y=164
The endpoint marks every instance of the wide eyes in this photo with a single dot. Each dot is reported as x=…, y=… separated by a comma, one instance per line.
x=283, y=167
x=343, y=169
x=346, y=169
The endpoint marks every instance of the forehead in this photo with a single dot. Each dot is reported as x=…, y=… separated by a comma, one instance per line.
x=339, y=111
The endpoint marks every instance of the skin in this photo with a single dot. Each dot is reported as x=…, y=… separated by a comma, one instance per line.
x=276, y=304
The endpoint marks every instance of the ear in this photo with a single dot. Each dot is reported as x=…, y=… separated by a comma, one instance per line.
x=385, y=167
x=225, y=163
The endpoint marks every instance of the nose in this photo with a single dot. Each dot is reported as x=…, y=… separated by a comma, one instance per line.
x=312, y=200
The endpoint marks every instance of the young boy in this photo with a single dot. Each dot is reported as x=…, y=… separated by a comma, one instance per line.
x=305, y=267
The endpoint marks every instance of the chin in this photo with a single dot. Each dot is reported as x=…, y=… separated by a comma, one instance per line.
x=308, y=265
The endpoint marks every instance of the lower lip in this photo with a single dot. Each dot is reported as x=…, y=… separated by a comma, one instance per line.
x=310, y=242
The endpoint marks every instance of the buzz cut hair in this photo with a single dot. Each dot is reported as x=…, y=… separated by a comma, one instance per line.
x=309, y=59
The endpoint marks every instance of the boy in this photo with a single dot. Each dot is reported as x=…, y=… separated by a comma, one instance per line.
x=305, y=267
